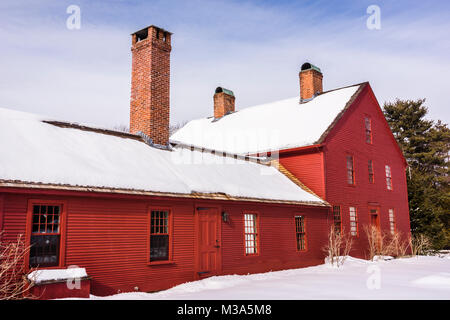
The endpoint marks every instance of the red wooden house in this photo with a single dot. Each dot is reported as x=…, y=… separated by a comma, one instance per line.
x=337, y=143
x=138, y=214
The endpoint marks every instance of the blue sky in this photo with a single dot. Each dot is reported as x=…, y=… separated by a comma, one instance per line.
x=254, y=48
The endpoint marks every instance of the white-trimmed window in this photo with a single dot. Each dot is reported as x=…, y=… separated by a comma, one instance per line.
x=391, y=221
x=251, y=233
x=353, y=221
x=388, y=177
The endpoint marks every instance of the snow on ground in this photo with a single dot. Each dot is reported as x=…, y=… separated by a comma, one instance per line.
x=424, y=277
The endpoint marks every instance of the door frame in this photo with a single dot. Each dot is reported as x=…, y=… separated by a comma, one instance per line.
x=377, y=208
x=197, y=209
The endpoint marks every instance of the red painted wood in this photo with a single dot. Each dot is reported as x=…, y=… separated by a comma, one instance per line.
x=329, y=177
x=109, y=237
x=1, y=214
x=59, y=290
x=308, y=167
x=209, y=241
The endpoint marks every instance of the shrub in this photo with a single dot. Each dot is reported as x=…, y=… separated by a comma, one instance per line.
x=338, y=246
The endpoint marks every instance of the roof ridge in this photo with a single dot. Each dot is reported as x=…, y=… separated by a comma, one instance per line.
x=73, y=125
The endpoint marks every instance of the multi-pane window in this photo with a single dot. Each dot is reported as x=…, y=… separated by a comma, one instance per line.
x=368, y=126
x=353, y=221
x=300, y=233
x=159, y=235
x=350, y=170
x=337, y=221
x=371, y=175
x=391, y=221
x=251, y=233
x=45, y=236
x=388, y=177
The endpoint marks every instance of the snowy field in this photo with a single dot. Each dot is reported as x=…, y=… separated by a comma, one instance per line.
x=424, y=277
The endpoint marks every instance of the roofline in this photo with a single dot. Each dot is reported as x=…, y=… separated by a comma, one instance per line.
x=352, y=99
x=294, y=179
x=220, y=153
x=287, y=150
x=122, y=134
x=193, y=195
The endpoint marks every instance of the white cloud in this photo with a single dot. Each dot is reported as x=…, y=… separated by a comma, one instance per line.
x=254, y=50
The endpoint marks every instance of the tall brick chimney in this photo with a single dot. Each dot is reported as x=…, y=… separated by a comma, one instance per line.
x=310, y=81
x=223, y=102
x=150, y=84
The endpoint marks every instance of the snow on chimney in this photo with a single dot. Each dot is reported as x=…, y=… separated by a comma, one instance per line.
x=150, y=84
x=223, y=102
x=310, y=81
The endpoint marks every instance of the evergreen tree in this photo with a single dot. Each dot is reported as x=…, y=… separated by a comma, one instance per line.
x=426, y=147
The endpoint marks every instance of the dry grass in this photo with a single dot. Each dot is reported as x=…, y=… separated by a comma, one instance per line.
x=420, y=245
x=386, y=244
x=338, y=247
x=13, y=283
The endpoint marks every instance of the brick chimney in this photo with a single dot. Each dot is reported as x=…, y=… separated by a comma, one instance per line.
x=310, y=81
x=150, y=84
x=223, y=102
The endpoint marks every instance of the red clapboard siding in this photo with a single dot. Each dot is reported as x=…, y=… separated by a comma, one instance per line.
x=109, y=237
x=348, y=137
x=324, y=170
x=308, y=167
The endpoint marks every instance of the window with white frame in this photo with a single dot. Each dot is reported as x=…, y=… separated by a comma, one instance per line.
x=353, y=221
x=391, y=221
x=251, y=233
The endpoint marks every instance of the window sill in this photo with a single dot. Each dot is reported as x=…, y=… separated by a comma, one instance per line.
x=157, y=263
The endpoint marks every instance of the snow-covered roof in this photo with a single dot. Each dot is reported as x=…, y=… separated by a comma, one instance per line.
x=278, y=125
x=38, y=152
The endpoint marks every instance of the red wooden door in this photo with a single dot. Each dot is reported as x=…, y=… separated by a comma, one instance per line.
x=375, y=218
x=208, y=242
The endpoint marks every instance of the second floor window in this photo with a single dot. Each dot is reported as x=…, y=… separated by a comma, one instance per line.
x=368, y=126
x=350, y=170
x=388, y=177
x=371, y=176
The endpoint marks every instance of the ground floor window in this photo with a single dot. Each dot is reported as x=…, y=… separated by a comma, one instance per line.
x=337, y=219
x=45, y=239
x=300, y=233
x=159, y=235
x=391, y=221
x=353, y=221
x=251, y=233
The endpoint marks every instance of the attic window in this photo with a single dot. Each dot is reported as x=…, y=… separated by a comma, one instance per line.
x=141, y=35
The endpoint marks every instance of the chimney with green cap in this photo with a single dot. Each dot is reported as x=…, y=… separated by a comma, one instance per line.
x=310, y=81
x=223, y=102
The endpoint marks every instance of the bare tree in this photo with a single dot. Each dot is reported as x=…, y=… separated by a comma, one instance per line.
x=338, y=247
x=420, y=245
x=396, y=245
x=13, y=282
